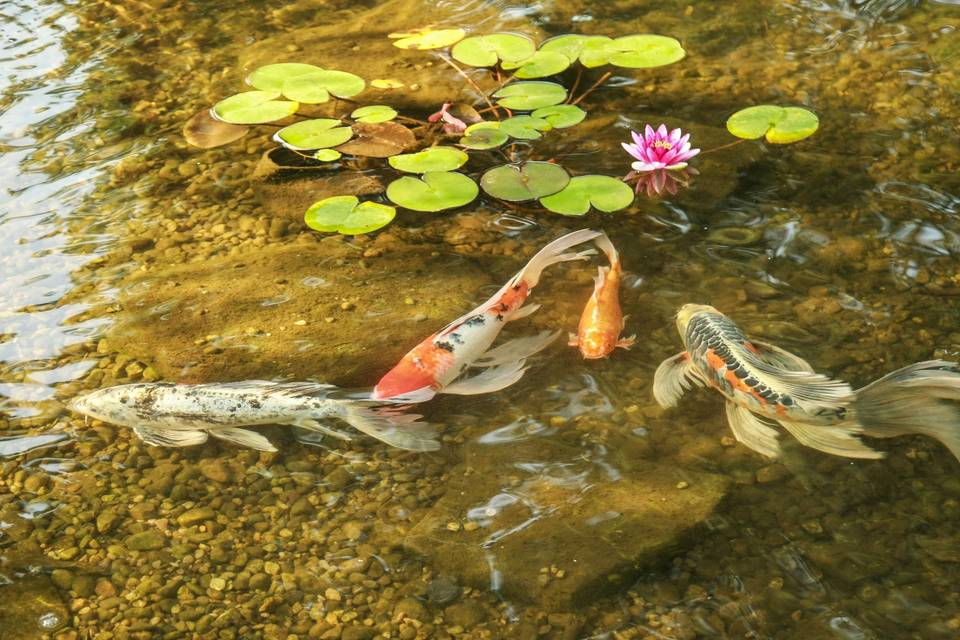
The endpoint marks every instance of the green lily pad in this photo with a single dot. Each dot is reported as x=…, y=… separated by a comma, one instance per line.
x=573, y=45
x=485, y=124
x=374, y=113
x=527, y=96
x=428, y=38
x=529, y=181
x=206, y=132
x=273, y=76
x=347, y=215
x=253, y=107
x=430, y=160
x=487, y=51
x=561, y=116
x=644, y=51
x=433, y=192
x=540, y=65
x=306, y=83
x=524, y=127
x=327, y=155
x=484, y=138
x=780, y=125
x=386, y=83
x=314, y=134
x=603, y=192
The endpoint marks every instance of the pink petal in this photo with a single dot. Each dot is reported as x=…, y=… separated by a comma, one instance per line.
x=662, y=131
x=683, y=140
x=632, y=150
x=643, y=166
x=649, y=134
x=678, y=165
x=675, y=136
x=638, y=139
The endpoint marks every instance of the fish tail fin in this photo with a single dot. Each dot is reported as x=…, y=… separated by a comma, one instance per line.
x=921, y=398
x=389, y=424
x=604, y=244
x=553, y=253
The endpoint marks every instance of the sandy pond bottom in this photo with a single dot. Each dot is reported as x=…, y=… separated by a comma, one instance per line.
x=568, y=506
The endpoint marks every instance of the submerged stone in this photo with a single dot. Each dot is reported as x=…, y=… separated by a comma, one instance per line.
x=299, y=312
x=522, y=520
x=32, y=608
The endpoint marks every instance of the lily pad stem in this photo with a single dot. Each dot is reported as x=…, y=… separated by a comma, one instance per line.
x=596, y=84
x=414, y=120
x=725, y=146
x=576, y=83
x=472, y=84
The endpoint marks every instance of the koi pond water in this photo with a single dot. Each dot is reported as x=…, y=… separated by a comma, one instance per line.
x=181, y=205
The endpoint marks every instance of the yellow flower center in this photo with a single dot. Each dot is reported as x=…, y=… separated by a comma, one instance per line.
x=662, y=144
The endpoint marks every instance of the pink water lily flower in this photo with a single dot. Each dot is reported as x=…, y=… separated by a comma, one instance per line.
x=659, y=149
x=451, y=123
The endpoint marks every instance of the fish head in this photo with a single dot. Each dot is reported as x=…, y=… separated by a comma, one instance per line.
x=113, y=404
x=687, y=312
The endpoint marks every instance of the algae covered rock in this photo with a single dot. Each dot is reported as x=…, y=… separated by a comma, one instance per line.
x=295, y=311
x=32, y=608
x=536, y=522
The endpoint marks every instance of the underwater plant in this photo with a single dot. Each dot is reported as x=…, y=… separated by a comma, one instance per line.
x=530, y=98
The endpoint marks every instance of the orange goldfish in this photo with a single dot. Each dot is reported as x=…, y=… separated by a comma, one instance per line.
x=437, y=364
x=602, y=321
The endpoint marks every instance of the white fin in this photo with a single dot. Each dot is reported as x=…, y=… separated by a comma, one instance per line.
x=552, y=254
x=516, y=349
x=752, y=431
x=243, y=437
x=170, y=437
x=603, y=242
x=675, y=375
x=778, y=357
x=411, y=397
x=315, y=425
x=396, y=429
x=492, y=379
x=840, y=440
x=524, y=311
x=266, y=387
x=803, y=386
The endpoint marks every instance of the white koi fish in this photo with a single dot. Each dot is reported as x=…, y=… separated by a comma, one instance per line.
x=179, y=415
x=767, y=386
x=437, y=364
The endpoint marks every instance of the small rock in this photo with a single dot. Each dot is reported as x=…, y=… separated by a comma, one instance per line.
x=215, y=469
x=195, y=516
x=106, y=521
x=411, y=608
x=443, y=590
x=465, y=614
x=61, y=578
x=146, y=540
x=357, y=632
x=772, y=473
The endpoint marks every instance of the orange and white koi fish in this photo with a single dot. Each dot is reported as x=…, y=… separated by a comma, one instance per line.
x=767, y=386
x=602, y=321
x=437, y=364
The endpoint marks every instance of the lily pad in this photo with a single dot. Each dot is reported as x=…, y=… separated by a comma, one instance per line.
x=433, y=192
x=272, y=77
x=253, y=107
x=644, y=51
x=573, y=46
x=379, y=140
x=561, y=116
x=529, y=181
x=321, y=133
x=428, y=38
x=780, y=125
x=374, y=113
x=306, y=83
x=484, y=138
x=347, y=215
x=603, y=192
x=524, y=127
x=206, y=132
x=528, y=96
x=430, y=160
x=487, y=51
x=540, y=65
x=386, y=83
x=327, y=155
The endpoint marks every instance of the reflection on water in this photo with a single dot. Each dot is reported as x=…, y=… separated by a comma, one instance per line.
x=842, y=248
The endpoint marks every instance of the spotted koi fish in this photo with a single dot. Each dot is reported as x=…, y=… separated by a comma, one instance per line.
x=766, y=386
x=437, y=364
x=602, y=321
x=180, y=415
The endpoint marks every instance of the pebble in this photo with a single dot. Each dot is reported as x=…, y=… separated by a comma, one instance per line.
x=148, y=540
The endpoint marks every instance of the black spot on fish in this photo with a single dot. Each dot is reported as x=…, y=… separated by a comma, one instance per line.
x=475, y=320
x=740, y=372
x=500, y=317
x=255, y=404
x=751, y=382
x=503, y=307
x=446, y=346
x=786, y=401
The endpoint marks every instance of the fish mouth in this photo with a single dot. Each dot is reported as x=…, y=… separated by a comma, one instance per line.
x=686, y=313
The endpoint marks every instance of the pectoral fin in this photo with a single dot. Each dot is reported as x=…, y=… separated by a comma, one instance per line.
x=774, y=355
x=170, y=437
x=752, y=431
x=524, y=311
x=516, y=349
x=626, y=343
x=243, y=437
x=674, y=376
x=315, y=425
x=396, y=429
x=839, y=440
x=492, y=379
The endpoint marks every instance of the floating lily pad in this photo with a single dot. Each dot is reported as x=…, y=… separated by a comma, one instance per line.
x=486, y=51
x=386, y=83
x=780, y=125
x=347, y=215
x=379, y=140
x=254, y=107
x=485, y=124
x=561, y=116
x=644, y=51
x=573, y=45
x=327, y=155
x=529, y=181
x=430, y=160
x=540, y=65
x=428, y=38
x=528, y=96
x=306, y=83
x=484, y=138
x=321, y=133
x=603, y=192
x=374, y=113
x=524, y=127
x=206, y=132
x=433, y=192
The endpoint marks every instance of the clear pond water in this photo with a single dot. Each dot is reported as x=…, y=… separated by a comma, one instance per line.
x=568, y=506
